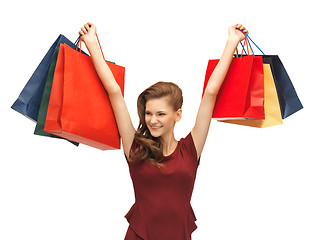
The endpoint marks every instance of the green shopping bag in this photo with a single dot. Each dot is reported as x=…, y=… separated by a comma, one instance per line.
x=39, y=130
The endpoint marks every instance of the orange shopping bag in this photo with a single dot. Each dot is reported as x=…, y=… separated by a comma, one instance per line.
x=271, y=104
x=79, y=108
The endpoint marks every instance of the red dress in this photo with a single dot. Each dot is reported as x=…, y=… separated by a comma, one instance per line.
x=162, y=209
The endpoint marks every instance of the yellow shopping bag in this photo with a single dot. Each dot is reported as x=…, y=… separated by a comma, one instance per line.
x=271, y=105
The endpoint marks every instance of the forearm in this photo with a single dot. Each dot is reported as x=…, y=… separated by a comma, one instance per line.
x=217, y=77
x=102, y=68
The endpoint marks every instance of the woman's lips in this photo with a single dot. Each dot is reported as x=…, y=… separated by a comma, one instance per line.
x=155, y=127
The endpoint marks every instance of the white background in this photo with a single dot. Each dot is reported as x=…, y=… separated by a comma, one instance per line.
x=252, y=184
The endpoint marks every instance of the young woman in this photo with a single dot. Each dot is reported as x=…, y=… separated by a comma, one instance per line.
x=162, y=169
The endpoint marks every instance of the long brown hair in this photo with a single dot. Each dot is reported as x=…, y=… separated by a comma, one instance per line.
x=149, y=147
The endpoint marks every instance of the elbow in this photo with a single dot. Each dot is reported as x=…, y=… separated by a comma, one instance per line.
x=114, y=90
x=211, y=91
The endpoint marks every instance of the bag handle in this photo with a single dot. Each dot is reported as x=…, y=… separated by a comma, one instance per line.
x=252, y=53
x=247, y=42
x=78, y=44
x=247, y=36
x=78, y=39
x=243, y=47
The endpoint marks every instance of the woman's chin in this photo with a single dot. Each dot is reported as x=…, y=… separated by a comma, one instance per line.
x=155, y=132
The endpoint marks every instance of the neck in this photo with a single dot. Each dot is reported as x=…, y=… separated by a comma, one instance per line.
x=169, y=144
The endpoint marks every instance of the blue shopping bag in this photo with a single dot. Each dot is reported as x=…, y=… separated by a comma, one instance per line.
x=28, y=102
x=288, y=98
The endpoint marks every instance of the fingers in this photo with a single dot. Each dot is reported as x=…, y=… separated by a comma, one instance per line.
x=90, y=24
x=87, y=26
x=241, y=27
x=85, y=29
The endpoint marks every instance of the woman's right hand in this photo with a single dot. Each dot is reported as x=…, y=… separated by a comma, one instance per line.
x=88, y=32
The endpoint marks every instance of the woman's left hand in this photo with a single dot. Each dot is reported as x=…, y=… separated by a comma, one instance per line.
x=235, y=33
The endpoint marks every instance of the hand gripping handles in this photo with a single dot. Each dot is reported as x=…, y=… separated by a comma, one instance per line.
x=247, y=42
x=78, y=45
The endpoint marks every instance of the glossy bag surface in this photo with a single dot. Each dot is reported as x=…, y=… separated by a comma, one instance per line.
x=28, y=102
x=242, y=93
x=271, y=105
x=288, y=97
x=39, y=129
x=79, y=108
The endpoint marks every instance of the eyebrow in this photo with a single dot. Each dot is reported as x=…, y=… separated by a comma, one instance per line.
x=161, y=111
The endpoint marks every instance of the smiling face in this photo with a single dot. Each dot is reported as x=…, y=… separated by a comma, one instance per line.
x=160, y=116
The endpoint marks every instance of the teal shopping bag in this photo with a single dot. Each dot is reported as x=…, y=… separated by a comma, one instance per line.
x=39, y=130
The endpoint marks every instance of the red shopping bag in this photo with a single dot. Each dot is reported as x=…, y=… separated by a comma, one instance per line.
x=79, y=108
x=241, y=95
x=271, y=105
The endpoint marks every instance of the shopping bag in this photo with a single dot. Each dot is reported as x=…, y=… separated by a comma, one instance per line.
x=79, y=108
x=39, y=129
x=288, y=98
x=271, y=104
x=241, y=95
x=28, y=102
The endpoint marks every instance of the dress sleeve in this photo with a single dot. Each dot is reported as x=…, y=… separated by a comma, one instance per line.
x=189, y=146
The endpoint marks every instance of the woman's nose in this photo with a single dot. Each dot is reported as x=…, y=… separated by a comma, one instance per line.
x=153, y=119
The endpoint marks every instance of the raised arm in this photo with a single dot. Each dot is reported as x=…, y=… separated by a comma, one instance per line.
x=125, y=127
x=203, y=120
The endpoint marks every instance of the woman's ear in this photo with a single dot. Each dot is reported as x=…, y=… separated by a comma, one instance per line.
x=179, y=115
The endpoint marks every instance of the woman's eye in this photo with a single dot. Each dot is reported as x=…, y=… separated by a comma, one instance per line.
x=162, y=114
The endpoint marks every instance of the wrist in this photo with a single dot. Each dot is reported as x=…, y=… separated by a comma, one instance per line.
x=89, y=42
x=232, y=42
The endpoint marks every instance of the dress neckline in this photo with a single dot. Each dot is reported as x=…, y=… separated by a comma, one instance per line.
x=173, y=153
